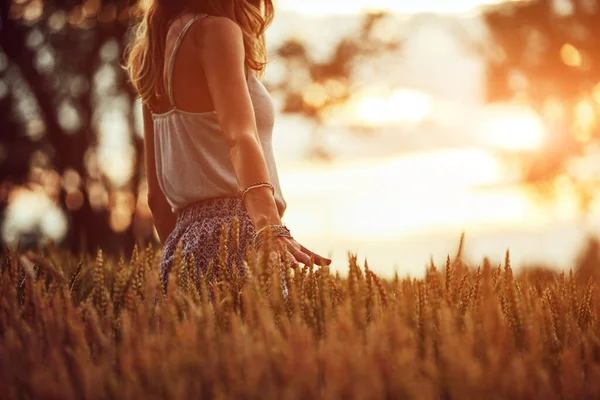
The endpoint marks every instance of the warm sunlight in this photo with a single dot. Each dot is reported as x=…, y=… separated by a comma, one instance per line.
x=319, y=7
x=513, y=128
x=32, y=211
x=403, y=106
x=397, y=214
x=388, y=198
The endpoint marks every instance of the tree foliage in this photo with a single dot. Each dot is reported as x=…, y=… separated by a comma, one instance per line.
x=545, y=55
x=328, y=84
x=62, y=72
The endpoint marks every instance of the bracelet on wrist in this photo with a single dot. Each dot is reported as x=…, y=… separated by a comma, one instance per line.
x=272, y=231
x=256, y=186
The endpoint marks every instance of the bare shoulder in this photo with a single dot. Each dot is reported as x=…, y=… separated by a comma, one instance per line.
x=175, y=27
x=218, y=33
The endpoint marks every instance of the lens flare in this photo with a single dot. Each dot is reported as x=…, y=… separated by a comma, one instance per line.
x=514, y=130
x=402, y=106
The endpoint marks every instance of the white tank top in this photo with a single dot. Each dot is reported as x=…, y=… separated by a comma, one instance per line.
x=192, y=155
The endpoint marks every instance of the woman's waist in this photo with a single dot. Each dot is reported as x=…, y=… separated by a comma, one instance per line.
x=187, y=188
x=218, y=208
x=204, y=177
x=205, y=193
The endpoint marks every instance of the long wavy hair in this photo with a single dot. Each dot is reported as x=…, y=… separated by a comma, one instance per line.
x=146, y=52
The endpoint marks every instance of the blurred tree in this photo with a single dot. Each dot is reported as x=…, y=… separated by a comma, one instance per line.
x=327, y=84
x=60, y=71
x=545, y=55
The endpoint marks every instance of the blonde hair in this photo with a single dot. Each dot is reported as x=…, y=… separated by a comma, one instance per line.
x=146, y=52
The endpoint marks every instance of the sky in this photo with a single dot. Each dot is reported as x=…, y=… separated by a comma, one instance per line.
x=321, y=7
x=432, y=171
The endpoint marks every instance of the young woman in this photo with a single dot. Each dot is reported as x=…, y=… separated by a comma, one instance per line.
x=208, y=123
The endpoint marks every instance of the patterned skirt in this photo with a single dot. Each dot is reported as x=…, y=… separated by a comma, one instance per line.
x=199, y=228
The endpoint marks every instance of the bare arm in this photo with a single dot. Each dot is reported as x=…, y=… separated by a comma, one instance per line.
x=164, y=219
x=221, y=49
x=222, y=53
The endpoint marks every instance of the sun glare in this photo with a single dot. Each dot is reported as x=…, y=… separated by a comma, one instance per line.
x=31, y=212
x=318, y=8
x=386, y=199
x=514, y=129
x=372, y=218
x=402, y=106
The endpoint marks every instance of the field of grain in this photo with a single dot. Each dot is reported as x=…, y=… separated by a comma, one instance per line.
x=74, y=327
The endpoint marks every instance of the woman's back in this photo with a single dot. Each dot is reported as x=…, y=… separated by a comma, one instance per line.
x=189, y=84
x=192, y=155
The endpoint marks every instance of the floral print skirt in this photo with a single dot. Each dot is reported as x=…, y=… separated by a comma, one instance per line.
x=199, y=229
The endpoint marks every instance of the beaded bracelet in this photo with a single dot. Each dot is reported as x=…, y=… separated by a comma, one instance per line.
x=274, y=230
x=257, y=185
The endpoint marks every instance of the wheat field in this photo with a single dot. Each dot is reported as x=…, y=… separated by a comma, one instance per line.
x=75, y=327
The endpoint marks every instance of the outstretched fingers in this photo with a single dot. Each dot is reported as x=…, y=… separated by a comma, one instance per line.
x=299, y=255
x=293, y=252
x=319, y=260
x=292, y=260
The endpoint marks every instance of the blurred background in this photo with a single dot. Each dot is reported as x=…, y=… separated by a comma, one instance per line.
x=400, y=125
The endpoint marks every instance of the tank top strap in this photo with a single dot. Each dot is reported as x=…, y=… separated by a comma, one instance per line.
x=174, y=53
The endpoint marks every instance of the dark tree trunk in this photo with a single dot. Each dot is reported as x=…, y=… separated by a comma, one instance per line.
x=89, y=230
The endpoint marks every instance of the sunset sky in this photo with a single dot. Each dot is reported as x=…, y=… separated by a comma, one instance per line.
x=433, y=169
x=321, y=7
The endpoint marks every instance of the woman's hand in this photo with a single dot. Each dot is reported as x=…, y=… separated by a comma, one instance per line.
x=293, y=252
